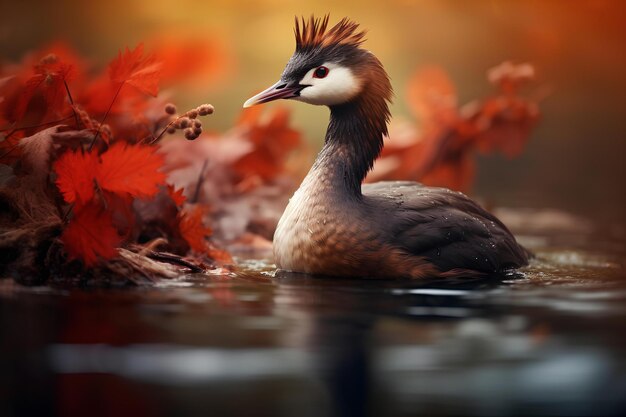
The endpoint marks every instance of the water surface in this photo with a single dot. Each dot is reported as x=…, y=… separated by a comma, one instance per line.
x=547, y=340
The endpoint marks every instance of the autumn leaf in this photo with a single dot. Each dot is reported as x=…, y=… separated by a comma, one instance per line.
x=188, y=60
x=91, y=236
x=49, y=79
x=102, y=185
x=76, y=173
x=122, y=210
x=132, y=169
x=36, y=153
x=431, y=95
x=442, y=154
x=123, y=169
x=10, y=149
x=273, y=141
x=249, y=116
x=176, y=195
x=132, y=67
x=193, y=230
x=508, y=77
x=220, y=255
x=457, y=172
x=506, y=124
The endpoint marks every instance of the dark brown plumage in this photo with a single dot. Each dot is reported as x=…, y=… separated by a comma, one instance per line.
x=335, y=226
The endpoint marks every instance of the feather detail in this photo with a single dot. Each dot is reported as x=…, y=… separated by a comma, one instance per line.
x=313, y=33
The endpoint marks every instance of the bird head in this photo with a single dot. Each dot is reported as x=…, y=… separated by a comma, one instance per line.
x=328, y=67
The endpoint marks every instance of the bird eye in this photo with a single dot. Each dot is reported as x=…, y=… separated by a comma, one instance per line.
x=320, y=72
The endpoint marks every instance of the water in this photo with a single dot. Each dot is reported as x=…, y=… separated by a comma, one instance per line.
x=549, y=340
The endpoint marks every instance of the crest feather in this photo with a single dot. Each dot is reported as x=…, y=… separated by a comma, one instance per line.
x=313, y=33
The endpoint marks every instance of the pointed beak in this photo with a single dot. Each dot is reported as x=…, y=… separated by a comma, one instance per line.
x=279, y=90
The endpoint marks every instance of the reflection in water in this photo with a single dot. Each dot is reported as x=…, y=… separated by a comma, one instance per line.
x=174, y=364
x=547, y=341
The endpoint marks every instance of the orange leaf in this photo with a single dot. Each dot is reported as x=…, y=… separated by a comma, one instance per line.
x=431, y=94
x=121, y=208
x=91, y=236
x=273, y=140
x=49, y=80
x=188, y=60
x=76, y=173
x=456, y=174
x=220, y=255
x=176, y=195
x=249, y=115
x=131, y=169
x=193, y=230
x=135, y=69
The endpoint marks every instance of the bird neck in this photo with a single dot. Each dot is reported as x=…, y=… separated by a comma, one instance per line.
x=354, y=139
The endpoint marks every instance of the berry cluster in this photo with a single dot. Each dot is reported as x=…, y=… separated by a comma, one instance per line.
x=188, y=122
x=85, y=121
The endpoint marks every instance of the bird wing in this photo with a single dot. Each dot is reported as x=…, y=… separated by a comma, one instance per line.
x=444, y=226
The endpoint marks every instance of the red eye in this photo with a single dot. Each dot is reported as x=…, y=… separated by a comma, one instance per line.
x=320, y=72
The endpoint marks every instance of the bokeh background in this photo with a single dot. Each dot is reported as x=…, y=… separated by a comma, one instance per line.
x=576, y=156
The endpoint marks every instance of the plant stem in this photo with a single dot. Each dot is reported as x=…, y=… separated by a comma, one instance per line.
x=26, y=127
x=196, y=193
x=93, y=142
x=69, y=96
x=13, y=130
x=167, y=126
x=66, y=215
x=9, y=151
x=175, y=259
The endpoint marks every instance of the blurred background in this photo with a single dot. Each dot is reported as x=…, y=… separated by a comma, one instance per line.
x=549, y=342
x=575, y=157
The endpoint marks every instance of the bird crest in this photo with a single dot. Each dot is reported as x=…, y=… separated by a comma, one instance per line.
x=313, y=33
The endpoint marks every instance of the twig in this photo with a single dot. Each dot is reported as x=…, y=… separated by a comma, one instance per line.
x=13, y=130
x=174, y=259
x=9, y=151
x=100, y=192
x=93, y=142
x=196, y=193
x=160, y=135
x=69, y=96
x=66, y=215
x=26, y=127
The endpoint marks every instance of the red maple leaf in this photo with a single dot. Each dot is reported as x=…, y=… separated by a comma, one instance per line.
x=193, y=230
x=443, y=153
x=176, y=195
x=49, y=78
x=76, y=173
x=142, y=72
x=211, y=58
x=123, y=169
x=273, y=141
x=91, y=236
x=132, y=169
x=220, y=255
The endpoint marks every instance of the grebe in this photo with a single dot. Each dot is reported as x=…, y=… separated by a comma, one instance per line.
x=335, y=225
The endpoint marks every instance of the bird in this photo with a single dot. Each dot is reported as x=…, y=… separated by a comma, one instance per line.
x=334, y=225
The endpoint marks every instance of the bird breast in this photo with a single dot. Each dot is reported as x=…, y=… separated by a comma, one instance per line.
x=307, y=232
x=322, y=233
